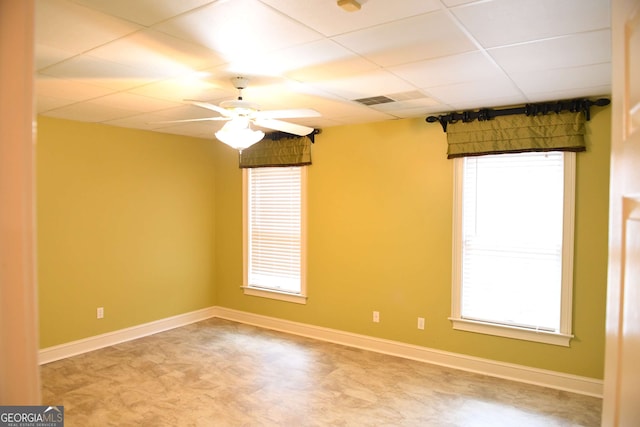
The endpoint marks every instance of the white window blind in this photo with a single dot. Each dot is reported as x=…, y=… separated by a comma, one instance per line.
x=275, y=228
x=512, y=240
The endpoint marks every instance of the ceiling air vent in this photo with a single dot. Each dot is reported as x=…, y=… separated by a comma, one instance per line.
x=374, y=100
x=396, y=97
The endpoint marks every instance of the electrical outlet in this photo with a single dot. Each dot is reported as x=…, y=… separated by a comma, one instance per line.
x=376, y=316
x=420, y=322
x=100, y=312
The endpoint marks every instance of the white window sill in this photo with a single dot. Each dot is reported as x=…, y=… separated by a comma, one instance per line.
x=274, y=294
x=511, y=332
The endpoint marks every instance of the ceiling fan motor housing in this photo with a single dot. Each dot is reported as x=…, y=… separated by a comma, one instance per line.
x=240, y=82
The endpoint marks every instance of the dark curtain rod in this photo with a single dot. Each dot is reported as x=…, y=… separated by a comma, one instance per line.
x=574, y=106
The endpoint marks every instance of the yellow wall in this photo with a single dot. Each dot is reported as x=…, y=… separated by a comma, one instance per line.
x=125, y=221
x=380, y=224
x=150, y=225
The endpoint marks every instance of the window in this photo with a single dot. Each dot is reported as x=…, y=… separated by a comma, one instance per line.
x=274, y=232
x=513, y=245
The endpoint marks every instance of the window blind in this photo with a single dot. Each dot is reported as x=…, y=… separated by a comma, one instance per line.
x=512, y=239
x=274, y=227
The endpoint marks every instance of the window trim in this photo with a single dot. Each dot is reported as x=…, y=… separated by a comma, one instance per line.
x=298, y=298
x=564, y=336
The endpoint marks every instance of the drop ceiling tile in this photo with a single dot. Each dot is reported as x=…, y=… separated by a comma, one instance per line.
x=155, y=122
x=96, y=71
x=365, y=85
x=480, y=93
x=74, y=28
x=144, y=12
x=495, y=102
x=89, y=112
x=266, y=91
x=328, y=18
x=184, y=87
x=364, y=115
x=452, y=3
x=413, y=39
x=184, y=112
x=73, y=91
x=47, y=55
x=392, y=107
x=152, y=50
x=466, y=67
x=196, y=130
x=315, y=61
x=45, y=103
x=567, y=51
x=239, y=29
x=531, y=82
x=593, y=91
x=425, y=111
x=133, y=102
x=504, y=22
x=148, y=121
x=328, y=106
x=410, y=108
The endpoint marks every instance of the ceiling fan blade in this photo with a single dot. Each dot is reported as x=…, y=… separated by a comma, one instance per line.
x=208, y=106
x=205, y=119
x=284, y=126
x=286, y=114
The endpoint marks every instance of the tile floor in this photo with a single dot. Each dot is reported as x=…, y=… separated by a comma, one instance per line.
x=221, y=373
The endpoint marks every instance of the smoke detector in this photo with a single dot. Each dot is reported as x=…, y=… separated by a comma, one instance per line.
x=349, y=5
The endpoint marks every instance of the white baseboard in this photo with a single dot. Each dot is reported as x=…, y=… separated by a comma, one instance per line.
x=556, y=380
x=524, y=374
x=73, y=348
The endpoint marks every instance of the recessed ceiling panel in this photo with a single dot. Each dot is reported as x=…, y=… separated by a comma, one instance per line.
x=413, y=39
x=184, y=87
x=144, y=12
x=47, y=55
x=568, y=51
x=448, y=70
x=132, y=102
x=89, y=112
x=92, y=70
x=559, y=79
x=365, y=85
x=316, y=60
x=328, y=18
x=593, y=91
x=152, y=51
x=239, y=29
x=504, y=22
x=484, y=92
x=70, y=90
x=74, y=28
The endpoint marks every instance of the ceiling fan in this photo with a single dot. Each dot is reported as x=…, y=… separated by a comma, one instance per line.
x=231, y=110
x=240, y=114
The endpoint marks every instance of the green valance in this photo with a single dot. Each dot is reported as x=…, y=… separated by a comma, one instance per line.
x=517, y=134
x=293, y=151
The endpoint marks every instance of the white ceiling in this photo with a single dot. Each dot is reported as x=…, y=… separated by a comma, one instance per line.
x=132, y=63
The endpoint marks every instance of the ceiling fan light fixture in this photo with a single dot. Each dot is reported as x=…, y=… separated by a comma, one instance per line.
x=238, y=134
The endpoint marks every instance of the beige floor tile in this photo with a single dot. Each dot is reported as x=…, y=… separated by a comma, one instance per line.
x=221, y=373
